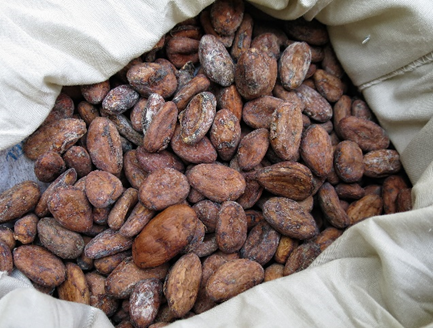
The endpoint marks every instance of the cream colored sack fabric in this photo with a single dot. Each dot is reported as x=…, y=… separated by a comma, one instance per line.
x=380, y=272
x=48, y=44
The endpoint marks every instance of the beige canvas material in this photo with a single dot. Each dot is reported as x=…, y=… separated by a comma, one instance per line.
x=48, y=44
x=24, y=306
x=380, y=272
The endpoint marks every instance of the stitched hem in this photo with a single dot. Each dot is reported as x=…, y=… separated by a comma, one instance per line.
x=91, y=318
x=408, y=68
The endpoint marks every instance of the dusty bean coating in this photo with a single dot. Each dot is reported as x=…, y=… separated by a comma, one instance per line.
x=367, y=134
x=217, y=182
x=145, y=301
x=293, y=65
x=39, y=265
x=71, y=209
x=102, y=188
x=225, y=133
x=289, y=218
x=232, y=278
x=18, y=200
x=162, y=188
x=197, y=118
x=216, y=60
x=231, y=227
x=255, y=74
x=349, y=161
x=104, y=145
x=64, y=243
x=49, y=166
x=182, y=284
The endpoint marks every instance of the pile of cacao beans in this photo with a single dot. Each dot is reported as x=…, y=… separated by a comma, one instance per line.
x=232, y=153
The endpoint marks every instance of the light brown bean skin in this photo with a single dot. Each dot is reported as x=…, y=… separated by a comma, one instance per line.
x=78, y=158
x=148, y=78
x=164, y=236
x=7, y=236
x=56, y=136
x=316, y=107
x=285, y=130
x=106, y=265
x=381, y=163
x=18, y=200
x=182, y=284
x=232, y=278
x=181, y=50
x=230, y=98
x=342, y=108
x=225, y=133
x=349, y=161
x=301, y=258
x=197, y=118
x=252, y=149
x=274, y=271
x=39, y=265
x=243, y=36
x=136, y=221
x=183, y=96
x=25, y=228
x=217, y=182
x=316, y=150
x=49, y=166
x=367, y=134
x=261, y=243
x=162, y=188
x=133, y=171
x=226, y=16
x=161, y=129
x=104, y=145
x=390, y=190
x=145, y=301
x=95, y=93
x=331, y=207
x=285, y=247
x=257, y=113
x=124, y=204
x=293, y=65
x=6, y=259
x=404, y=200
x=328, y=85
x=368, y=206
x=75, y=287
x=201, y=152
x=216, y=61
x=62, y=242
x=231, y=227
x=268, y=43
x=121, y=281
x=71, y=209
x=102, y=188
x=106, y=243
x=255, y=74
x=98, y=296
x=289, y=218
x=288, y=179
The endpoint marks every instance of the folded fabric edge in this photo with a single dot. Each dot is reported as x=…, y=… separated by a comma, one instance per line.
x=426, y=59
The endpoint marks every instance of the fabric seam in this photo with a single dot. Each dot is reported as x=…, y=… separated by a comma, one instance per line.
x=426, y=59
x=91, y=318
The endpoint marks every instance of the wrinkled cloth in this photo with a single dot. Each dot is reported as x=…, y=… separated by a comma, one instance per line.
x=379, y=273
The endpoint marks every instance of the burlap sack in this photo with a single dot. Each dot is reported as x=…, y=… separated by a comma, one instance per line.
x=378, y=274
